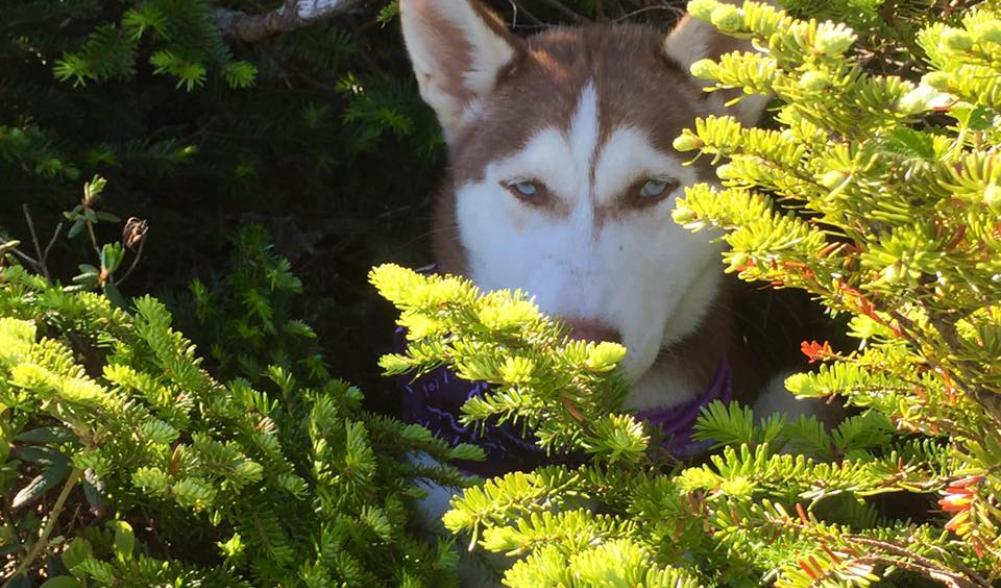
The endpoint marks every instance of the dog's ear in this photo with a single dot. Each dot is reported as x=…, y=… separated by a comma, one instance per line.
x=693, y=39
x=458, y=49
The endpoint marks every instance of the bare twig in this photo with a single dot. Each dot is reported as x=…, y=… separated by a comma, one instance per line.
x=292, y=15
x=24, y=256
x=640, y=11
x=559, y=6
x=39, y=259
x=933, y=569
x=52, y=241
x=43, y=540
x=135, y=262
x=93, y=237
x=516, y=9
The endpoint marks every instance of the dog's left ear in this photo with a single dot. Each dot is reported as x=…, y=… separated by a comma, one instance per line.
x=693, y=39
x=459, y=50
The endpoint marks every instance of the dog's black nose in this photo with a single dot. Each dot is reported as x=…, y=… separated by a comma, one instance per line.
x=592, y=330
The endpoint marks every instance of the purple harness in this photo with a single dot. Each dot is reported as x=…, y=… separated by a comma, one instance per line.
x=434, y=400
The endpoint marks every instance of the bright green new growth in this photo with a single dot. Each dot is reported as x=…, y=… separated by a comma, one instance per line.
x=564, y=390
x=548, y=517
x=888, y=212
x=879, y=195
x=150, y=471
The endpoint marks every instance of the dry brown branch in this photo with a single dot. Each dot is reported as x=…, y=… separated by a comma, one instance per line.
x=292, y=15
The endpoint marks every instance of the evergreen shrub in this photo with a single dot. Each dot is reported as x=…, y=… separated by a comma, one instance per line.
x=125, y=462
x=879, y=195
x=127, y=459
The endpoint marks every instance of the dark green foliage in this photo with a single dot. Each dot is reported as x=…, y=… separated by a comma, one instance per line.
x=303, y=150
x=248, y=315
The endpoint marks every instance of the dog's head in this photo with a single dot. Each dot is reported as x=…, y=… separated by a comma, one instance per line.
x=562, y=173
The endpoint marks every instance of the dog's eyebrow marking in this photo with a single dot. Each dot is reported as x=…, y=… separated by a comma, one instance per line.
x=625, y=158
x=584, y=135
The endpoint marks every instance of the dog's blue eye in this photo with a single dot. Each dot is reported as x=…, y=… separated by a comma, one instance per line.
x=653, y=189
x=523, y=189
x=526, y=188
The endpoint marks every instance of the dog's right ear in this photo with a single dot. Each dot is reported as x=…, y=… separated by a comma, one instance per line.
x=458, y=49
x=693, y=39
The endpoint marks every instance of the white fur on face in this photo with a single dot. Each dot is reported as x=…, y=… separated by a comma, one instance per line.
x=635, y=271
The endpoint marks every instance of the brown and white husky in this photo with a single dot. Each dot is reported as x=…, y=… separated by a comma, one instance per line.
x=562, y=179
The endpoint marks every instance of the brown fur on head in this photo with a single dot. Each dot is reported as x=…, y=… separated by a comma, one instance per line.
x=462, y=53
x=541, y=87
x=641, y=74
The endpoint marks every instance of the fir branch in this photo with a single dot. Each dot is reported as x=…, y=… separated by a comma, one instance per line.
x=968, y=578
